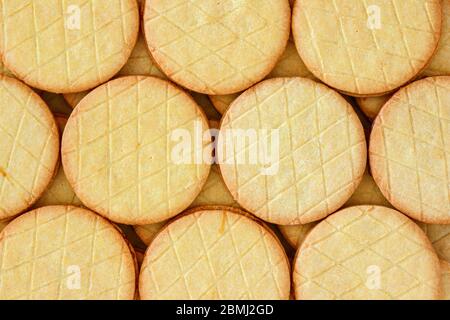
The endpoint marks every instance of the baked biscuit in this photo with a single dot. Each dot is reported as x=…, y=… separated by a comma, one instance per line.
x=410, y=150
x=366, y=252
x=67, y=47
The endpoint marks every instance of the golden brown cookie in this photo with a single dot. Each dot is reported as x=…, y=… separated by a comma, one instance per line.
x=410, y=150
x=371, y=106
x=439, y=235
x=214, y=193
x=215, y=254
x=63, y=252
x=289, y=65
x=367, y=193
x=364, y=48
x=67, y=47
x=123, y=155
x=366, y=252
x=217, y=47
x=445, y=280
x=59, y=191
x=29, y=147
x=139, y=63
x=317, y=153
x=440, y=63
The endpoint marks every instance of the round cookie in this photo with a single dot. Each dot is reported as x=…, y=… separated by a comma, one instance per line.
x=29, y=147
x=215, y=254
x=139, y=63
x=289, y=65
x=217, y=47
x=371, y=106
x=366, y=252
x=63, y=48
x=59, y=192
x=314, y=146
x=440, y=63
x=445, y=280
x=367, y=193
x=214, y=193
x=410, y=150
x=70, y=253
x=123, y=140
x=439, y=235
x=363, y=48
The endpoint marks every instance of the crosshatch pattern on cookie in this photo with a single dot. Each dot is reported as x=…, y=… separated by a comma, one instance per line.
x=78, y=238
x=215, y=255
x=39, y=47
x=334, y=260
x=29, y=147
x=182, y=37
x=319, y=167
x=337, y=44
x=410, y=150
x=117, y=150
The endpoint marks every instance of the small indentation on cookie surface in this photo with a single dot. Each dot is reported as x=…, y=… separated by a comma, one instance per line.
x=3, y=173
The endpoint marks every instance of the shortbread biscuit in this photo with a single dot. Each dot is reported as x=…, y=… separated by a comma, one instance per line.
x=445, y=280
x=363, y=48
x=440, y=63
x=217, y=47
x=367, y=193
x=410, y=150
x=366, y=252
x=214, y=193
x=66, y=47
x=289, y=65
x=139, y=63
x=215, y=254
x=371, y=106
x=317, y=150
x=123, y=155
x=29, y=147
x=439, y=235
x=59, y=192
x=63, y=252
